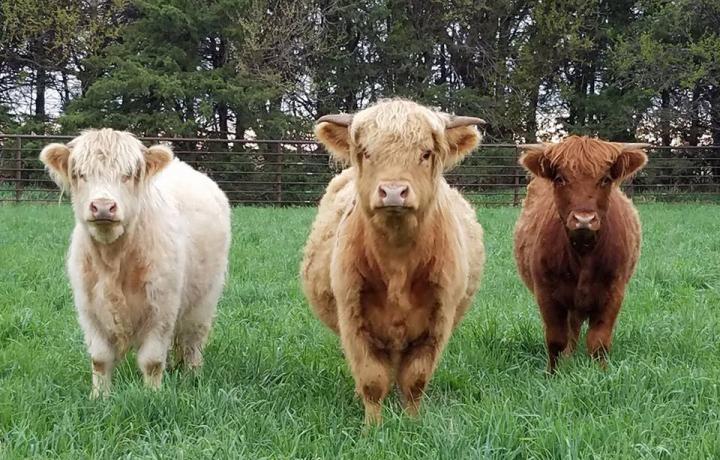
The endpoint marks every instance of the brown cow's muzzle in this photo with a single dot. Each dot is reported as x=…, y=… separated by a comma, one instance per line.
x=583, y=220
x=583, y=228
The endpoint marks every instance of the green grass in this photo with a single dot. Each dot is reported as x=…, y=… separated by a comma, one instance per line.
x=275, y=384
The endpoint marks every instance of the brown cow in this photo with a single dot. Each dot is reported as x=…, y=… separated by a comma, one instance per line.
x=577, y=240
x=395, y=254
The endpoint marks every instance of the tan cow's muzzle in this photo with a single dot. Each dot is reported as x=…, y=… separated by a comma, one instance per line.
x=394, y=195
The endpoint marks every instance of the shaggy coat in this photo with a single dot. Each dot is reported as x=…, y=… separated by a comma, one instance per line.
x=149, y=251
x=395, y=254
x=577, y=240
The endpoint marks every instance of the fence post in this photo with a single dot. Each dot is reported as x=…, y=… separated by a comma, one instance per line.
x=18, y=172
x=278, y=178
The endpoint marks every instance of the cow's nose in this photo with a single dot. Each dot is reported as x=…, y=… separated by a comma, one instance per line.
x=393, y=194
x=103, y=209
x=584, y=220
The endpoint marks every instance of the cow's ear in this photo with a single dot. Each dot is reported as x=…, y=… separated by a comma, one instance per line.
x=534, y=160
x=333, y=131
x=462, y=136
x=632, y=158
x=56, y=158
x=156, y=158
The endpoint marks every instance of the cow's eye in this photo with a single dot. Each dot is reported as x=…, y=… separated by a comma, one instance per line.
x=366, y=155
x=605, y=181
x=559, y=180
x=126, y=177
x=426, y=155
x=81, y=176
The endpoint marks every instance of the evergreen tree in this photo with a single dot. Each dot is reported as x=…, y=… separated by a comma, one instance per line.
x=217, y=68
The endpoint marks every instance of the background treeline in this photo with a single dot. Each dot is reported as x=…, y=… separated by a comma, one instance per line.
x=217, y=68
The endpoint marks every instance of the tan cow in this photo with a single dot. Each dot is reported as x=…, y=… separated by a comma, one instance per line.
x=149, y=250
x=395, y=254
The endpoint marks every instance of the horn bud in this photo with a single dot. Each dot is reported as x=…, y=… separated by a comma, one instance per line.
x=531, y=146
x=634, y=146
x=456, y=122
x=341, y=119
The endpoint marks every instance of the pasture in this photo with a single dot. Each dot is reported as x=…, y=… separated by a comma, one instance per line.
x=275, y=384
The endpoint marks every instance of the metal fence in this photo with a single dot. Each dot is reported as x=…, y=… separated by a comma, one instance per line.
x=286, y=172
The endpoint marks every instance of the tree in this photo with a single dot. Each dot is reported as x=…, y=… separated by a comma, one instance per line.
x=672, y=53
x=193, y=68
x=40, y=43
x=219, y=68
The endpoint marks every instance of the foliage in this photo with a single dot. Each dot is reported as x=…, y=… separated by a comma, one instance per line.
x=621, y=69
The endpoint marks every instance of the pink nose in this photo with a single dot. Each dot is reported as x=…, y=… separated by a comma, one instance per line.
x=103, y=209
x=393, y=194
x=584, y=220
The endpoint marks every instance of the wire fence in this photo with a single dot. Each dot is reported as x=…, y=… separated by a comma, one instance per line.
x=295, y=173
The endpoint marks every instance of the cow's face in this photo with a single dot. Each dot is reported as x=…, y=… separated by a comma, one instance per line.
x=400, y=150
x=107, y=173
x=583, y=174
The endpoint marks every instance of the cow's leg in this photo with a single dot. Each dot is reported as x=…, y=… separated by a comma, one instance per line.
x=103, y=359
x=575, y=320
x=189, y=342
x=555, y=319
x=602, y=323
x=420, y=360
x=152, y=354
x=103, y=354
x=371, y=369
x=193, y=329
x=415, y=371
x=373, y=378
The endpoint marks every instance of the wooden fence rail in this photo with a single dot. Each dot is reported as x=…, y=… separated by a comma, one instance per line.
x=295, y=172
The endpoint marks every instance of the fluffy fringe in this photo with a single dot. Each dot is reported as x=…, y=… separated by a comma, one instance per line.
x=583, y=155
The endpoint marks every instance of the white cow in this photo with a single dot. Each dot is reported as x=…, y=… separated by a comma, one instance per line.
x=149, y=251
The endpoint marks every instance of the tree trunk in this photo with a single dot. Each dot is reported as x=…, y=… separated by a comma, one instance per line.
x=40, y=86
x=715, y=131
x=577, y=99
x=694, y=134
x=223, y=118
x=531, y=116
x=66, y=89
x=221, y=58
x=715, y=115
x=665, y=136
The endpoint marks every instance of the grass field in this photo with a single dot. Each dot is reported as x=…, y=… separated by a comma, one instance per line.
x=275, y=384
